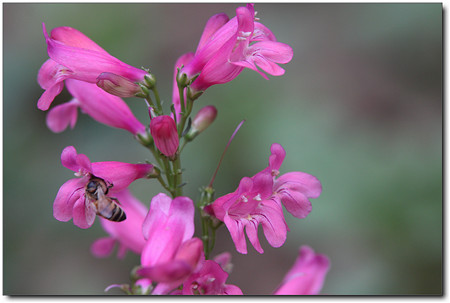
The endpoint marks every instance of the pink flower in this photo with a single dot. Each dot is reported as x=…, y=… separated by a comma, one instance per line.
x=73, y=199
x=101, y=106
x=74, y=56
x=128, y=233
x=165, y=135
x=307, y=275
x=250, y=205
x=209, y=280
x=258, y=200
x=227, y=47
x=170, y=254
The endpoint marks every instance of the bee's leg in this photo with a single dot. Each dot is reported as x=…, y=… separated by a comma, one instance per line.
x=115, y=199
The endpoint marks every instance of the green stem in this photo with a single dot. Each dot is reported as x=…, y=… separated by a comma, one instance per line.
x=158, y=101
x=177, y=176
x=169, y=175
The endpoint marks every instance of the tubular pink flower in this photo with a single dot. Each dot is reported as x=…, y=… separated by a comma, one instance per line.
x=249, y=206
x=307, y=275
x=258, y=200
x=73, y=55
x=226, y=48
x=209, y=280
x=71, y=200
x=95, y=102
x=170, y=254
x=128, y=233
x=165, y=135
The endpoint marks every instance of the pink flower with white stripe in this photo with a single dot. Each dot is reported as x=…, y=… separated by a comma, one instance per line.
x=72, y=200
x=227, y=47
x=259, y=200
x=307, y=275
x=74, y=56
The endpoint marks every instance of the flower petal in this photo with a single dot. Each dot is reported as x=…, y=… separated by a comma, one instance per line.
x=68, y=193
x=120, y=174
x=103, y=247
x=296, y=203
x=49, y=95
x=252, y=232
x=103, y=107
x=213, y=24
x=73, y=37
x=167, y=272
x=307, y=275
x=236, y=229
x=305, y=183
x=61, y=116
x=274, y=225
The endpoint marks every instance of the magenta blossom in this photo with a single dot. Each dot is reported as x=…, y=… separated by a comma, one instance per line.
x=165, y=135
x=128, y=233
x=258, y=200
x=95, y=102
x=307, y=275
x=72, y=200
x=74, y=56
x=170, y=254
x=250, y=205
x=227, y=47
x=209, y=280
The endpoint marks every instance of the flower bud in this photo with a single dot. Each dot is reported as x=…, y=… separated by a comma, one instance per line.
x=165, y=135
x=204, y=118
x=150, y=80
x=117, y=85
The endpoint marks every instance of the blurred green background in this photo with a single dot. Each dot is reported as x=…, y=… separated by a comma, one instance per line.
x=360, y=107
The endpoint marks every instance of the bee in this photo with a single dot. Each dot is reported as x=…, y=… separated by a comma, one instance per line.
x=107, y=207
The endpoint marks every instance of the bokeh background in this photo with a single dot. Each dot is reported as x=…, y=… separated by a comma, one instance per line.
x=360, y=107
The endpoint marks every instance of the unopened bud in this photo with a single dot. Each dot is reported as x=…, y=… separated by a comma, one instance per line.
x=204, y=118
x=150, y=80
x=182, y=79
x=165, y=135
x=117, y=85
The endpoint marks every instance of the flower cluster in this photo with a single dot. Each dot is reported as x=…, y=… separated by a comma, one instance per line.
x=173, y=259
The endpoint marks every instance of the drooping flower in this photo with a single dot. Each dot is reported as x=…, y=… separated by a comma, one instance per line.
x=259, y=200
x=227, y=47
x=95, y=102
x=170, y=254
x=127, y=234
x=72, y=200
x=74, y=56
x=165, y=135
x=307, y=275
x=209, y=280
